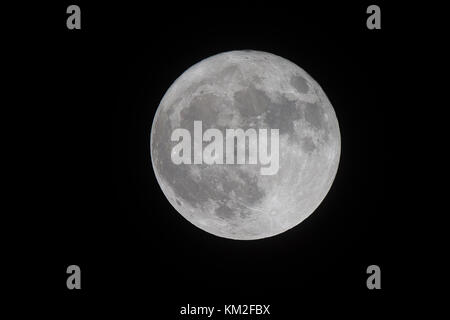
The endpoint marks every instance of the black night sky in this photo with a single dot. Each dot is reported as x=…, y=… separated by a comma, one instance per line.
x=104, y=211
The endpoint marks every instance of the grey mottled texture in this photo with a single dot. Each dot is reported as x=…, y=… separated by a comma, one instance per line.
x=248, y=89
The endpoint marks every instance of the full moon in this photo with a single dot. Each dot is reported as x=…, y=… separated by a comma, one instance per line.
x=248, y=89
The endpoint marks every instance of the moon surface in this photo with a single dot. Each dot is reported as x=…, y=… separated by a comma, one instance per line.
x=248, y=89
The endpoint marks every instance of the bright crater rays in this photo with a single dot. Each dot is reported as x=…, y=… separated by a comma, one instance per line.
x=251, y=91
